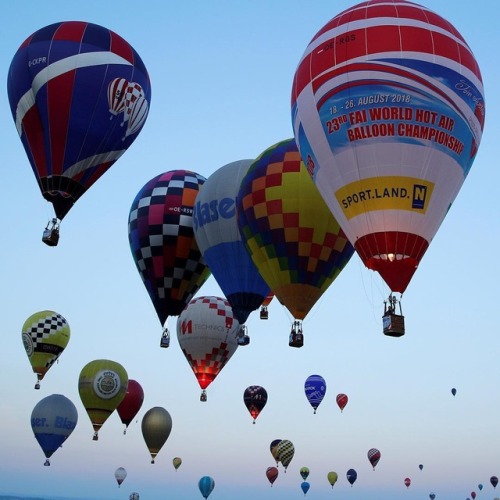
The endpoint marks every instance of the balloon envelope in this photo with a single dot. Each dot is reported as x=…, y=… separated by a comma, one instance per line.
x=219, y=240
x=342, y=400
x=255, y=399
x=207, y=332
x=156, y=427
x=315, y=390
x=120, y=475
x=272, y=474
x=454, y=391
x=494, y=481
x=273, y=447
x=332, y=477
x=131, y=403
x=52, y=421
x=407, y=482
x=45, y=335
x=432, y=496
x=305, y=487
x=351, y=475
x=420, y=466
x=374, y=456
x=304, y=472
x=161, y=237
x=176, y=461
x=297, y=246
x=102, y=386
x=66, y=84
x=206, y=485
x=386, y=127
x=285, y=451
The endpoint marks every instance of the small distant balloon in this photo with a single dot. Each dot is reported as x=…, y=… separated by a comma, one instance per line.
x=473, y=495
x=273, y=448
x=305, y=487
x=351, y=475
x=272, y=474
x=133, y=496
x=480, y=486
x=342, y=400
x=285, y=451
x=454, y=391
x=206, y=485
x=315, y=390
x=177, y=461
x=432, y=496
x=407, y=482
x=255, y=398
x=332, y=477
x=156, y=427
x=420, y=466
x=494, y=481
x=304, y=472
x=374, y=456
x=120, y=475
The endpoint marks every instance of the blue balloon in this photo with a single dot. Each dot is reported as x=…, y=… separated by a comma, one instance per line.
x=216, y=231
x=53, y=420
x=206, y=485
x=315, y=389
x=352, y=475
x=305, y=487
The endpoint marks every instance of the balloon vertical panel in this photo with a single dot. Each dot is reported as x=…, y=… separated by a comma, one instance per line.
x=388, y=111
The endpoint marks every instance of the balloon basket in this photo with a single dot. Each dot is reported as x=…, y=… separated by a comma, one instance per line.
x=47, y=463
x=393, y=324
x=203, y=396
x=51, y=233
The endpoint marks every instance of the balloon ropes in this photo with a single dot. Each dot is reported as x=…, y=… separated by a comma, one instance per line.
x=164, y=249
x=156, y=427
x=218, y=237
x=53, y=420
x=45, y=335
x=208, y=336
x=79, y=96
x=296, y=244
x=131, y=403
x=255, y=399
x=102, y=386
x=390, y=164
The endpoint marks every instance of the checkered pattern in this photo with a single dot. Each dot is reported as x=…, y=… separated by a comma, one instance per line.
x=255, y=398
x=162, y=240
x=132, y=94
x=374, y=456
x=209, y=367
x=286, y=224
x=43, y=328
x=285, y=451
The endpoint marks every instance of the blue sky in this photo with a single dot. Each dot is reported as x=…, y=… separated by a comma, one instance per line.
x=221, y=75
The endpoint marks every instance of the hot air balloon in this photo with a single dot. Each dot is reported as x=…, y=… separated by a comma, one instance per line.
x=45, y=335
x=65, y=84
x=305, y=487
x=480, y=486
x=120, y=475
x=131, y=403
x=297, y=246
x=206, y=485
x=432, y=496
x=53, y=420
x=255, y=398
x=332, y=477
x=420, y=466
x=473, y=495
x=342, y=400
x=285, y=451
x=102, y=386
x=315, y=390
x=272, y=474
x=207, y=332
x=352, y=475
x=156, y=427
x=177, y=461
x=388, y=111
x=161, y=237
x=494, y=481
x=454, y=391
x=374, y=456
x=273, y=447
x=304, y=472
x=134, y=496
x=219, y=240
x=264, y=312
x=407, y=482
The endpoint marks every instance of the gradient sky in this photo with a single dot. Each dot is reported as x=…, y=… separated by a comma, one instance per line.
x=221, y=74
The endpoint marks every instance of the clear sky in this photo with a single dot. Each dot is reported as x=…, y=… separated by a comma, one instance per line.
x=221, y=74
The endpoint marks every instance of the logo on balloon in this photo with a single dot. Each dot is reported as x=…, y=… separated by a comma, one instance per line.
x=28, y=343
x=384, y=193
x=107, y=384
